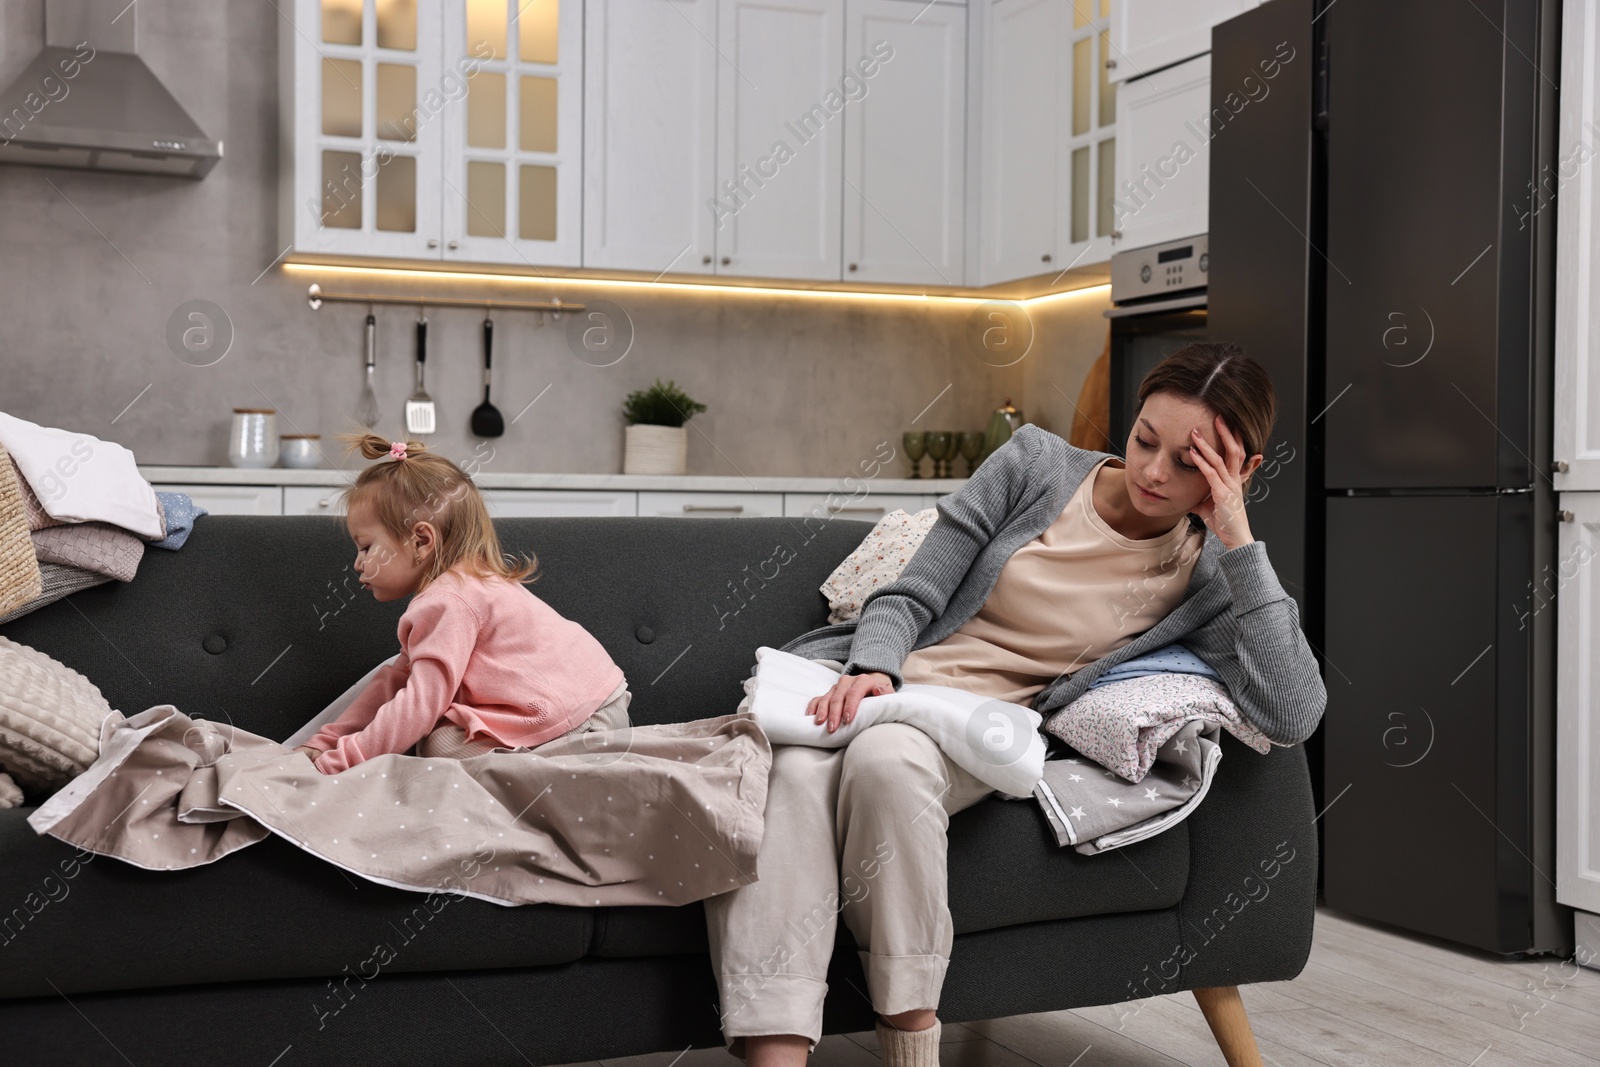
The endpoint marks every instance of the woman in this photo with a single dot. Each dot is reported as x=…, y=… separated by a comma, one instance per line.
x=1051, y=565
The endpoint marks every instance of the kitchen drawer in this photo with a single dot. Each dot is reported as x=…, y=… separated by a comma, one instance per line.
x=711, y=505
x=872, y=506
x=233, y=499
x=312, y=500
x=559, y=503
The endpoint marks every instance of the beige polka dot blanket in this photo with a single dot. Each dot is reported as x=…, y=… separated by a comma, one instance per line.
x=664, y=814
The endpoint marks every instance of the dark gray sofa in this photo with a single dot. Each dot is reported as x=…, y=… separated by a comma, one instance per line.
x=269, y=952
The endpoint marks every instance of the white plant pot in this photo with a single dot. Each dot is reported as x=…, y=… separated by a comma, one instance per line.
x=655, y=449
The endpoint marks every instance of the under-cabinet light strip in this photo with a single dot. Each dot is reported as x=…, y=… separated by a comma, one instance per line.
x=696, y=287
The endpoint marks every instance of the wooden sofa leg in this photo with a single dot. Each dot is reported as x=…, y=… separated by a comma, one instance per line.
x=1224, y=1012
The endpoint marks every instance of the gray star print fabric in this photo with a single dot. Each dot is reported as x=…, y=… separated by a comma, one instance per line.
x=664, y=814
x=1152, y=745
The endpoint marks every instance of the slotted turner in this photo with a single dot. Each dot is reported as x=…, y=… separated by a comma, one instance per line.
x=419, y=408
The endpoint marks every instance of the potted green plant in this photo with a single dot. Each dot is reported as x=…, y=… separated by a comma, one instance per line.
x=656, y=440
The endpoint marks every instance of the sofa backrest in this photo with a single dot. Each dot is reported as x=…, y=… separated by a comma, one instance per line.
x=261, y=622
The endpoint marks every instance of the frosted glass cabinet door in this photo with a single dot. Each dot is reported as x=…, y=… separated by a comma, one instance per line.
x=905, y=141
x=1022, y=68
x=650, y=135
x=356, y=78
x=513, y=140
x=780, y=121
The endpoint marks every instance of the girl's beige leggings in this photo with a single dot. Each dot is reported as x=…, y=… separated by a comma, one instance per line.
x=859, y=829
x=450, y=740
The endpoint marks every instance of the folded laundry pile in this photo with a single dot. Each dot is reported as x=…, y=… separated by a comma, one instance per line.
x=1153, y=724
x=75, y=512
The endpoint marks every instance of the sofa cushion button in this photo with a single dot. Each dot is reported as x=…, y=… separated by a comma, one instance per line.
x=214, y=644
x=645, y=635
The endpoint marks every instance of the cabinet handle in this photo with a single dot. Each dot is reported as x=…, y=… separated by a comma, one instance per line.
x=433, y=242
x=705, y=259
x=1045, y=258
x=861, y=507
x=726, y=260
x=1559, y=466
x=1111, y=64
x=852, y=266
x=455, y=244
x=1565, y=516
x=713, y=507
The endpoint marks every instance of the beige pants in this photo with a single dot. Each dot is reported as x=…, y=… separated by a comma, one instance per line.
x=450, y=741
x=871, y=816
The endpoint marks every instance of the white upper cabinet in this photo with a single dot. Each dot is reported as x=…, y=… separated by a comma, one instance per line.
x=1021, y=109
x=650, y=121
x=1047, y=139
x=513, y=191
x=433, y=129
x=780, y=137
x=360, y=102
x=905, y=141
x=1151, y=34
x=1164, y=154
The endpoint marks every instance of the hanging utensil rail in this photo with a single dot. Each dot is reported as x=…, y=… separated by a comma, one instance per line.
x=316, y=295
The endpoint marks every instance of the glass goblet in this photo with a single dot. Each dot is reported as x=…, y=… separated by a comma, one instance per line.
x=915, y=443
x=971, y=446
x=941, y=445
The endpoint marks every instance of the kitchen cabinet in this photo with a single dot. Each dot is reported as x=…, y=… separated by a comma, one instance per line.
x=710, y=505
x=1150, y=34
x=359, y=163
x=780, y=136
x=312, y=499
x=231, y=499
x=563, y=503
x=1575, y=588
x=432, y=129
x=1046, y=144
x=650, y=129
x=905, y=142
x=513, y=192
x=1164, y=154
x=871, y=507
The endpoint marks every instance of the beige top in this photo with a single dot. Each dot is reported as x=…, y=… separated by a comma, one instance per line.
x=1077, y=592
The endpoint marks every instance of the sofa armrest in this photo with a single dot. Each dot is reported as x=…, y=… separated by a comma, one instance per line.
x=1250, y=902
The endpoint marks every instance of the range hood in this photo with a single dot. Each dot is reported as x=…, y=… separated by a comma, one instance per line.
x=88, y=101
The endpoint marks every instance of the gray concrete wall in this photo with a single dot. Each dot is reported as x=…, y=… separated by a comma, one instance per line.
x=93, y=266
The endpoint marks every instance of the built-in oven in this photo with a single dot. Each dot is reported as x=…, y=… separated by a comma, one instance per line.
x=1158, y=296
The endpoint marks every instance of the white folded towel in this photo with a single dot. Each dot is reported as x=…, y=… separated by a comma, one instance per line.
x=80, y=478
x=996, y=741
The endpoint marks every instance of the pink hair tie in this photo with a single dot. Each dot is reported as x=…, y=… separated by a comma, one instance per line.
x=398, y=449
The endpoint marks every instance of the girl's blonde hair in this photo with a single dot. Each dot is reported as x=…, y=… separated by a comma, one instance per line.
x=427, y=487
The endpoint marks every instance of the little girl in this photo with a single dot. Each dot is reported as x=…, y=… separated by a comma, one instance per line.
x=484, y=663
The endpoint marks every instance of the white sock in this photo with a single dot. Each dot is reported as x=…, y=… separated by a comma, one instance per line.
x=909, y=1048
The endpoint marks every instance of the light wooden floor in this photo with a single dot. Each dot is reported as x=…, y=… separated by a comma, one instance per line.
x=1368, y=997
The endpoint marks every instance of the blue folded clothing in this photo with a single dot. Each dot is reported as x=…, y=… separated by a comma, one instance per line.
x=1172, y=658
x=181, y=513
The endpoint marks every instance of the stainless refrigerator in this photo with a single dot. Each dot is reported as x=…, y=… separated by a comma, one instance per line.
x=1376, y=242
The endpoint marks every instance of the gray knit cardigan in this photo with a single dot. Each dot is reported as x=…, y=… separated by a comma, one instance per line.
x=1235, y=615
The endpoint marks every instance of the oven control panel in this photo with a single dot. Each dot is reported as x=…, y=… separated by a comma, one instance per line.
x=1158, y=270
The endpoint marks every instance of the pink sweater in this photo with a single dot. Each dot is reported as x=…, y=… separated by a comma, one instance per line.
x=485, y=654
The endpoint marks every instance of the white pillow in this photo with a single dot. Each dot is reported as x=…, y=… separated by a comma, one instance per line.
x=876, y=562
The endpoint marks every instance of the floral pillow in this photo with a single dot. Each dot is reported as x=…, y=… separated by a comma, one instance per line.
x=876, y=562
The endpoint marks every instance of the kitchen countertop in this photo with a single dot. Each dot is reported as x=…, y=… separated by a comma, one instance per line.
x=158, y=475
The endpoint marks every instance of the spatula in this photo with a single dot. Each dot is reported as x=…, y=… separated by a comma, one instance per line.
x=486, y=418
x=419, y=408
